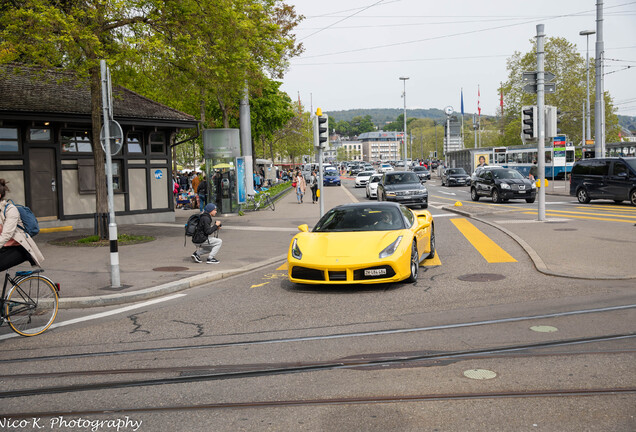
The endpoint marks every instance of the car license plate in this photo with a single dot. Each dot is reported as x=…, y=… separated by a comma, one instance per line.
x=522, y=191
x=375, y=272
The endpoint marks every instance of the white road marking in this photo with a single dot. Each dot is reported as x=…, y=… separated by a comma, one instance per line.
x=104, y=314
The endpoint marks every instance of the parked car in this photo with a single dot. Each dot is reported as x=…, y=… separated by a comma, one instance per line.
x=372, y=185
x=502, y=184
x=604, y=178
x=365, y=243
x=404, y=187
x=422, y=172
x=454, y=177
x=331, y=177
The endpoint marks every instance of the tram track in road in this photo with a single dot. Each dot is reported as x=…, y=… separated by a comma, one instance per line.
x=253, y=371
x=275, y=341
x=379, y=399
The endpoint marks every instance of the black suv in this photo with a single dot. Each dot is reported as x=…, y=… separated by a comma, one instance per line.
x=604, y=178
x=455, y=176
x=502, y=184
x=403, y=187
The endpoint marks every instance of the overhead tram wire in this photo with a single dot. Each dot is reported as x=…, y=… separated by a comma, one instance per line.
x=534, y=20
x=343, y=19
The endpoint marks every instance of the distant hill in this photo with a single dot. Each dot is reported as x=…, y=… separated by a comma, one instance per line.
x=382, y=116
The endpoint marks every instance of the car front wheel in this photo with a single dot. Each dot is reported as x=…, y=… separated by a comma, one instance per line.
x=583, y=196
x=415, y=264
x=496, y=197
x=473, y=194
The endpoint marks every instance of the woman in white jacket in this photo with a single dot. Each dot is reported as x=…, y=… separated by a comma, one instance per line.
x=16, y=246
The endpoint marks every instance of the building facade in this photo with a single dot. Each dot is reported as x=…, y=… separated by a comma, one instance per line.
x=381, y=145
x=46, y=151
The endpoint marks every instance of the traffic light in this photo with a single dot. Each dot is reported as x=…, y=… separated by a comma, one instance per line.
x=321, y=129
x=529, y=123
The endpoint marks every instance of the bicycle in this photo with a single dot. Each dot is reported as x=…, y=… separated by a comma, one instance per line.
x=30, y=306
x=259, y=200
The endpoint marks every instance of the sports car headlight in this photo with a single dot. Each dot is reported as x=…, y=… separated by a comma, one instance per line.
x=295, y=250
x=390, y=249
x=505, y=186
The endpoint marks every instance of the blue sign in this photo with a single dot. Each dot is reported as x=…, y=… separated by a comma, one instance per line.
x=158, y=174
x=241, y=190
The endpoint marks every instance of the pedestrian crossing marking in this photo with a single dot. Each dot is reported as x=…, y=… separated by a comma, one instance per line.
x=625, y=210
x=491, y=252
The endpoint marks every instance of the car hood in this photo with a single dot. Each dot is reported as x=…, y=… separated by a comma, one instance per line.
x=404, y=186
x=458, y=175
x=515, y=181
x=345, y=244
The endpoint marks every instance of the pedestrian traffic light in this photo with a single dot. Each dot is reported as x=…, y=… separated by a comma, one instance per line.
x=529, y=123
x=321, y=129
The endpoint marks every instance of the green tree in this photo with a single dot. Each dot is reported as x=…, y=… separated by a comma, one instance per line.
x=563, y=60
x=190, y=54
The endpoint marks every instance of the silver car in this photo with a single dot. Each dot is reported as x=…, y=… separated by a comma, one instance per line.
x=363, y=177
x=372, y=186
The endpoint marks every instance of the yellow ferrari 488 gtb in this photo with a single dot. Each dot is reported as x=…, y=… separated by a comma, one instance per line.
x=362, y=243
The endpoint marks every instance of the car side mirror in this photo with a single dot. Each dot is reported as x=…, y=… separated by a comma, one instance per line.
x=303, y=228
x=422, y=181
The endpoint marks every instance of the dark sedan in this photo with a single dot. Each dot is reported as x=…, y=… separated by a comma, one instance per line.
x=455, y=177
x=502, y=184
x=422, y=172
x=403, y=187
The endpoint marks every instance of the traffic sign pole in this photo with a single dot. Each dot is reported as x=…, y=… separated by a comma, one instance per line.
x=112, y=227
x=541, y=120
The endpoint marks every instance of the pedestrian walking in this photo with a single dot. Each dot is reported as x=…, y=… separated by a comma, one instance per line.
x=313, y=185
x=206, y=236
x=301, y=186
x=202, y=191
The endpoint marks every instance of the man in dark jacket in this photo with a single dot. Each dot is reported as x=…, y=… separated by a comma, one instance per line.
x=202, y=191
x=209, y=228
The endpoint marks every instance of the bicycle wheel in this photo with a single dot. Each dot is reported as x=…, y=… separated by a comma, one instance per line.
x=31, y=305
x=269, y=202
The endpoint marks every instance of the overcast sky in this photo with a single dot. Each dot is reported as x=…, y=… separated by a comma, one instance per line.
x=357, y=50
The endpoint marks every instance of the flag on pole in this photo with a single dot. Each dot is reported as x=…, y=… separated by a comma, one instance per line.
x=478, y=96
x=462, y=102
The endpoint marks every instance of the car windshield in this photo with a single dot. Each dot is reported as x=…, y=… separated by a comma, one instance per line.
x=419, y=168
x=360, y=218
x=386, y=165
x=456, y=171
x=401, y=178
x=375, y=179
x=331, y=172
x=506, y=174
x=631, y=163
x=365, y=174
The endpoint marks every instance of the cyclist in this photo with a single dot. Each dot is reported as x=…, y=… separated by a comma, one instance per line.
x=16, y=246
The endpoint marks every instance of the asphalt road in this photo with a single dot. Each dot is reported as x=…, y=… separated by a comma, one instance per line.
x=478, y=343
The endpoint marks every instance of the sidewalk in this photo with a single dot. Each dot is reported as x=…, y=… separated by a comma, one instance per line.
x=262, y=238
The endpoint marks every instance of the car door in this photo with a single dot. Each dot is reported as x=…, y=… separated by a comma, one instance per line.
x=618, y=181
x=596, y=182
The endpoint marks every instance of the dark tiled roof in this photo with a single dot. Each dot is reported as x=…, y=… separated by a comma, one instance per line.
x=33, y=90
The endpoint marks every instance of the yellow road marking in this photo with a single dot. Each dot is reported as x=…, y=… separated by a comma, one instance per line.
x=479, y=203
x=492, y=252
x=435, y=261
x=283, y=267
x=610, y=208
x=593, y=214
x=56, y=229
x=583, y=217
x=259, y=285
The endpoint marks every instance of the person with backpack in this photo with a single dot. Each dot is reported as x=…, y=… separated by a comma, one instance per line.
x=206, y=236
x=16, y=245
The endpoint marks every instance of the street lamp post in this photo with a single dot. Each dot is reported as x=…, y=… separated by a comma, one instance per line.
x=587, y=33
x=404, y=142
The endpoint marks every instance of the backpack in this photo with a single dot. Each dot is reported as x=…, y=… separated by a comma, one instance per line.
x=193, y=229
x=29, y=222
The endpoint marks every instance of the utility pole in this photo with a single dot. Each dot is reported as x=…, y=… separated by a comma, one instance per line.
x=541, y=119
x=588, y=134
x=404, y=141
x=599, y=104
